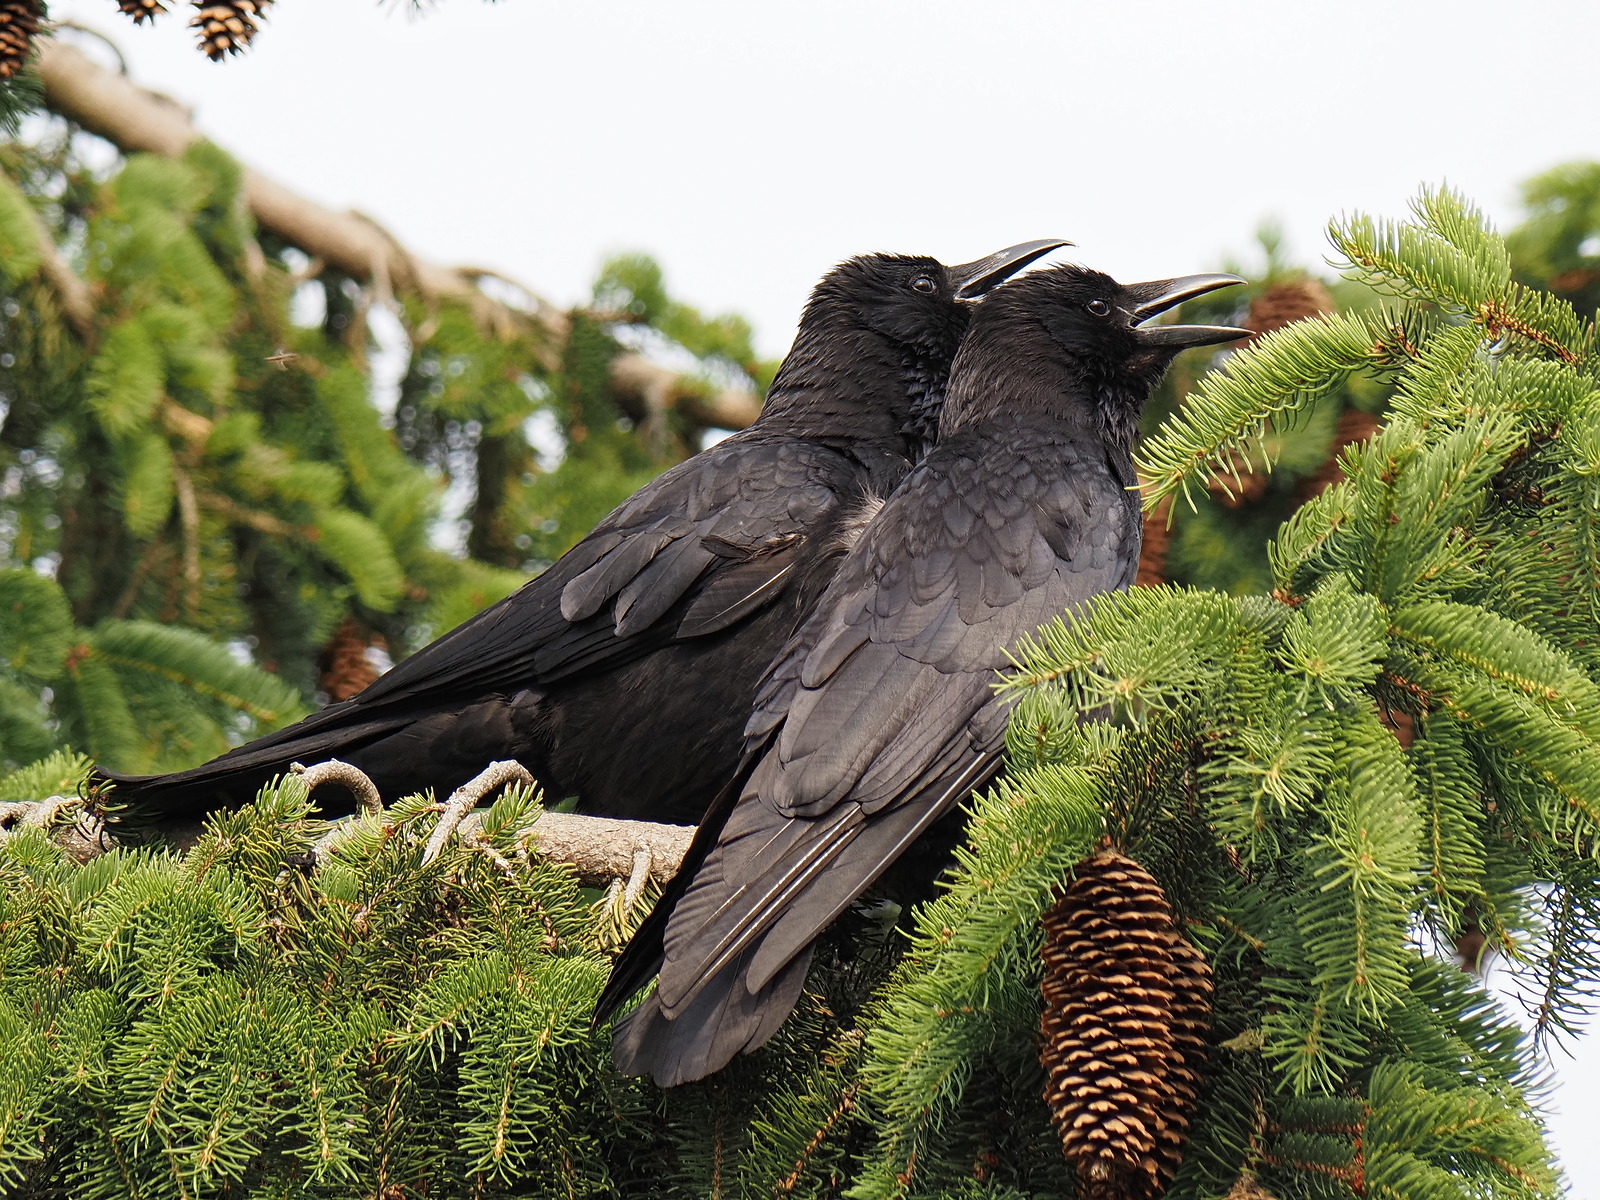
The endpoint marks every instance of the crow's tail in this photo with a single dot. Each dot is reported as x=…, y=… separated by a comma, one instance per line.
x=233, y=779
x=642, y=957
x=723, y=1020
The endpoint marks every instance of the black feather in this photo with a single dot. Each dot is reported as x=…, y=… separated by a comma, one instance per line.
x=879, y=715
x=624, y=673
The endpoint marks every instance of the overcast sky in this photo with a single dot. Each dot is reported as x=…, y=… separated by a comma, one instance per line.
x=749, y=144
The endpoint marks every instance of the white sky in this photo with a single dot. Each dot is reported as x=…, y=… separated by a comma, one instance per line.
x=749, y=144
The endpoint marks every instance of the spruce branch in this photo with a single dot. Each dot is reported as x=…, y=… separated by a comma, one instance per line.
x=1273, y=378
x=1452, y=259
x=965, y=953
x=601, y=849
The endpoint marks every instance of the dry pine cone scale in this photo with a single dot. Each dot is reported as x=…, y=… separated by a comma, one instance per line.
x=19, y=25
x=142, y=10
x=1126, y=1009
x=226, y=28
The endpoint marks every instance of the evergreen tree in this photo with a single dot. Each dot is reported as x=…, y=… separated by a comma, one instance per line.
x=1238, y=833
x=1218, y=537
x=1558, y=247
x=209, y=518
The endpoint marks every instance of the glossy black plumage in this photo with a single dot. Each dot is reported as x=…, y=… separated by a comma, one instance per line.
x=622, y=675
x=879, y=715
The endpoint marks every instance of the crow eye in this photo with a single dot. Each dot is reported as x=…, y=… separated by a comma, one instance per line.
x=924, y=284
x=1099, y=308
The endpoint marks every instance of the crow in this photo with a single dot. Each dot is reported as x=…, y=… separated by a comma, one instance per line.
x=879, y=715
x=622, y=674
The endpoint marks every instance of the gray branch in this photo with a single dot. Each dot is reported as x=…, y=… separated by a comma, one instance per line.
x=601, y=849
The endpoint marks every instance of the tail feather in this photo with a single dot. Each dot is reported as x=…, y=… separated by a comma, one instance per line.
x=643, y=955
x=402, y=751
x=724, y=1020
x=234, y=778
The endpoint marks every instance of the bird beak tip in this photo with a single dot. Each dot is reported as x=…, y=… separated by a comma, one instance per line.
x=975, y=279
x=1184, y=337
x=1160, y=295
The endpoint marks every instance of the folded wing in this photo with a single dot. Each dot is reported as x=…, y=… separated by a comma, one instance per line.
x=877, y=719
x=701, y=548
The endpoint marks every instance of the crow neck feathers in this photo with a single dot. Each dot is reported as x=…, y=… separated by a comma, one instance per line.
x=871, y=360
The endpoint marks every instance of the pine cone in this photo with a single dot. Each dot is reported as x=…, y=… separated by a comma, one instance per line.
x=1287, y=302
x=142, y=10
x=226, y=28
x=1355, y=425
x=346, y=669
x=1127, y=1002
x=19, y=25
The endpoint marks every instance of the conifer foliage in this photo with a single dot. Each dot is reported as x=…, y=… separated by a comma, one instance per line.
x=1317, y=863
x=236, y=1021
x=209, y=506
x=228, y=1022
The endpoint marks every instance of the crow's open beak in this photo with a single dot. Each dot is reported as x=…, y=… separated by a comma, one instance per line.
x=1159, y=295
x=973, y=279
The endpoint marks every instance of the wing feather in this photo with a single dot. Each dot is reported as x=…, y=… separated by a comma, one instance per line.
x=736, y=592
x=880, y=713
x=643, y=562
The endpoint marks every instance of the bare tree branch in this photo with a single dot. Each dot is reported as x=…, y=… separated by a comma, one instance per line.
x=134, y=119
x=601, y=849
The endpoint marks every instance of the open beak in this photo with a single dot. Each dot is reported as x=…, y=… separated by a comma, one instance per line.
x=1159, y=295
x=973, y=279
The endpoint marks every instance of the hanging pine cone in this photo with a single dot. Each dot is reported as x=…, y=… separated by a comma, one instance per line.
x=226, y=28
x=19, y=25
x=1127, y=1002
x=1287, y=302
x=142, y=10
x=346, y=666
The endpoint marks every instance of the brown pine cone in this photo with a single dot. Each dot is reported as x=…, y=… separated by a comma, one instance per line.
x=19, y=25
x=346, y=668
x=1127, y=1002
x=1287, y=302
x=226, y=28
x=142, y=10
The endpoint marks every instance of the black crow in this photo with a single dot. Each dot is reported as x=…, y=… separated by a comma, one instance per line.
x=879, y=715
x=622, y=674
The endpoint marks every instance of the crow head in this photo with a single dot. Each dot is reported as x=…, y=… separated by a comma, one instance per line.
x=911, y=301
x=888, y=325
x=1079, y=331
